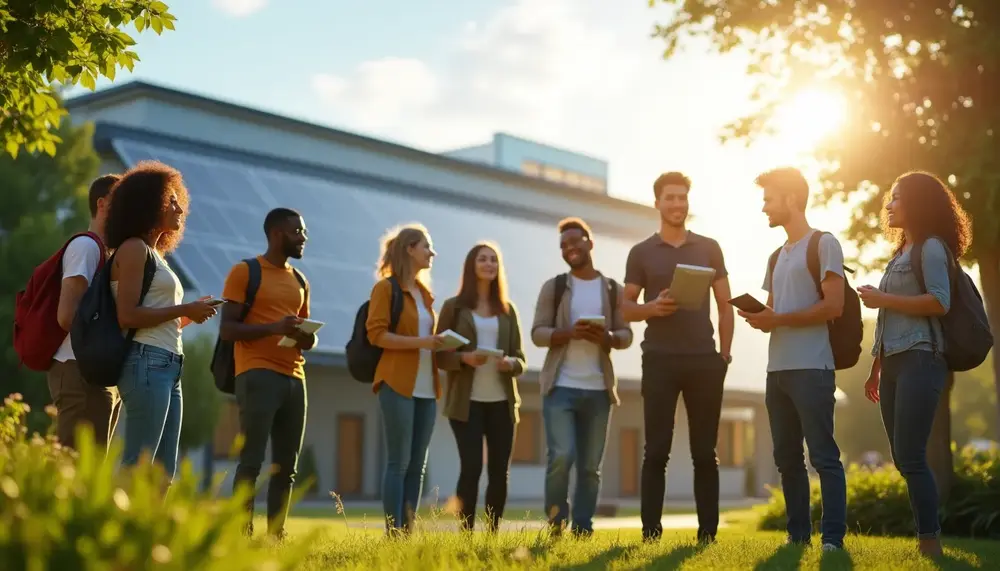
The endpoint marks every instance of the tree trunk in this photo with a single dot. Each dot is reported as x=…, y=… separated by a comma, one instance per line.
x=989, y=278
x=939, y=444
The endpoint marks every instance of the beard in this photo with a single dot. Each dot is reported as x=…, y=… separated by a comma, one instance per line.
x=293, y=251
x=674, y=219
x=581, y=263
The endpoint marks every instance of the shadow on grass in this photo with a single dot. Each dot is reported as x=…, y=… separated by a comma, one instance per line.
x=835, y=560
x=604, y=560
x=786, y=557
x=674, y=558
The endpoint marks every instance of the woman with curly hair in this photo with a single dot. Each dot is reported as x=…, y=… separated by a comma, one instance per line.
x=145, y=222
x=909, y=373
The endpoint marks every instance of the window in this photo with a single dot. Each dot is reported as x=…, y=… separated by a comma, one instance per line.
x=531, y=168
x=553, y=174
x=528, y=441
x=732, y=443
x=226, y=430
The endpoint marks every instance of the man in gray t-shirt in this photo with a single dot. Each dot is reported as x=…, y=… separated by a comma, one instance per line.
x=801, y=386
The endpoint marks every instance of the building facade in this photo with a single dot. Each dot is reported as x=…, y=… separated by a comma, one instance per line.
x=239, y=163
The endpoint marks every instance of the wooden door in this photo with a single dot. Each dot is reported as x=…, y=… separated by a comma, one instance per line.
x=350, y=454
x=629, y=461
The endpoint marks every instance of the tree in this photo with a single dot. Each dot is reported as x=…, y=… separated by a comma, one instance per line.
x=43, y=201
x=45, y=42
x=202, y=400
x=921, y=78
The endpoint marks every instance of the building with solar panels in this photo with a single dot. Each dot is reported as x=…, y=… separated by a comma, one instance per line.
x=239, y=163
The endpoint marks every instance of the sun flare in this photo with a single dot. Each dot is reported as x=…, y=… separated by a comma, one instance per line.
x=808, y=117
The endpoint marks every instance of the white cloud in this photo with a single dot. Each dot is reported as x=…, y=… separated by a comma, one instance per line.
x=239, y=8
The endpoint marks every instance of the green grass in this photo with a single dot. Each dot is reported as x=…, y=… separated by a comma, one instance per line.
x=336, y=543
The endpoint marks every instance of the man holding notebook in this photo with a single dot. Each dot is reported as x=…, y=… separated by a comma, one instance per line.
x=270, y=372
x=679, y=354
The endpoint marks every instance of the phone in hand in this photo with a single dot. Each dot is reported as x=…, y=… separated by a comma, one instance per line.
x=747, y=303
x=219, y=301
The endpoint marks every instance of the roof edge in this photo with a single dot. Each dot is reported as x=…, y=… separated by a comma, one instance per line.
x=135, y=89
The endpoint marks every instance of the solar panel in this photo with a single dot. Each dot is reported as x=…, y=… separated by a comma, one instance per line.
x=229, y=200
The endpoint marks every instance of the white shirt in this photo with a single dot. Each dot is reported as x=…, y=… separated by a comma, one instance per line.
x=486, y=385
x=80, y=258
x=424, y=385
x=581, y=368
x=165, y=290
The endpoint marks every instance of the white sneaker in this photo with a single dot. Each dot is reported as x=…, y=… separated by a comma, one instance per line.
x=830, y=547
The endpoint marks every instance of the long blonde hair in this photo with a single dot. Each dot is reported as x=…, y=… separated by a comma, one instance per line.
x=394, y=257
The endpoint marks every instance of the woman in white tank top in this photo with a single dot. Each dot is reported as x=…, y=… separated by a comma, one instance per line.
x=145, y=221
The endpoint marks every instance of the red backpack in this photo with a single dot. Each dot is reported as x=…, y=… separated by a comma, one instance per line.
x=37, y=334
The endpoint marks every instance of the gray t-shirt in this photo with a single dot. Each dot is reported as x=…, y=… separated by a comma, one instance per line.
x=793, y=289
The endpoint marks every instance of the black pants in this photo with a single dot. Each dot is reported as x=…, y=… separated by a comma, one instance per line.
x=492, y=420
x=271, y=404
x=698, y=379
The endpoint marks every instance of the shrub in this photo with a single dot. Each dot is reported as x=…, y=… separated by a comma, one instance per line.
x=878, y=504
x=61, y=509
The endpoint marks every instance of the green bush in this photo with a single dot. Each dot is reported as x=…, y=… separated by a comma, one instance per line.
x=878, y=504
x=61, y=509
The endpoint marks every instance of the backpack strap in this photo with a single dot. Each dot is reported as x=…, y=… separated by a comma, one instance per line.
x=613, y=299
x=917, y=266
x=771, y=263
x=302, y=282
x=148, y=273
x=812, y=261
x=560, y=291
x=253, y=284
x=396, y=304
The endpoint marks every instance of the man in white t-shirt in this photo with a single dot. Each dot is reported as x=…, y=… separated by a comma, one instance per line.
x=75, y=399
x=577, y=379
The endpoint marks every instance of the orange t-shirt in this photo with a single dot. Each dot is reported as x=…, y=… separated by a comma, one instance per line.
x=280, y=295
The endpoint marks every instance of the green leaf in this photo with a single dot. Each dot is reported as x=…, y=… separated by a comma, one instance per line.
x=168, y=24
x=74, y=70
x=11, y=147
x=50, y=147
x=140, y=24
x=157, y=26
x=158, y=7
x=88, y=80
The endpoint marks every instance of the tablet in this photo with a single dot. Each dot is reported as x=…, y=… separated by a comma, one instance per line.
x=690, y=285
x=453, y=340
x=747, y=303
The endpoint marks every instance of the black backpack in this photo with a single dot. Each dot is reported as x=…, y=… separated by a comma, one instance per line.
x=223, y=365
x=98, y=344
x=362, y=356
x=967, y=335
x=847, y=331
x=560, y=291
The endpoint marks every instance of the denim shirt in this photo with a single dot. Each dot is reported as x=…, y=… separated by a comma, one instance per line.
x=896, y=332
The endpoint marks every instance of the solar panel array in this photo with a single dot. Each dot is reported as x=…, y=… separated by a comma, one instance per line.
x=229, y=199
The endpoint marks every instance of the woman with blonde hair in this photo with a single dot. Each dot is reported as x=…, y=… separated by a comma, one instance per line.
x=481, y=400
x=406, y=379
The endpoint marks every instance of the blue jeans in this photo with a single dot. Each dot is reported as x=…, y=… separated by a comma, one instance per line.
x=150, y=389
x=407, y=424
x=800, y=405
x=576, y=430
x=910, y=387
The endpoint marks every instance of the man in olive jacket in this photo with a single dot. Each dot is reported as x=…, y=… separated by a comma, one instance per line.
x=577, y=380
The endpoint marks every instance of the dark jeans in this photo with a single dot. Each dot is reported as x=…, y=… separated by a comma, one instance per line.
x=79, y=402
x=699, y=380
x=271, y=404
x=576, y=431
x=407, y=426
x=909, y=391
x=490, y=420
x=800, y=405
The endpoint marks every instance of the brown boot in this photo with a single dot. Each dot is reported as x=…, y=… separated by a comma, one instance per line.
x=930, y=547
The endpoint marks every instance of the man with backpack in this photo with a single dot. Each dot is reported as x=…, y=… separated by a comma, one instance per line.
x=270, y=378
x=578, y=318
x=42, y=324
x=813, y=333
x=680, y=358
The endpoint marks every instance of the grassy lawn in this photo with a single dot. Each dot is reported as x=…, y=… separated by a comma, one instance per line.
x=337, y=543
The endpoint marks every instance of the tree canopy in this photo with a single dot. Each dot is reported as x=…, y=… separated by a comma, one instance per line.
x=46, y=43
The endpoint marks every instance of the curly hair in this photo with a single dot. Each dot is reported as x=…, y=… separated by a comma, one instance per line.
x=138, y=204
x=929, y=209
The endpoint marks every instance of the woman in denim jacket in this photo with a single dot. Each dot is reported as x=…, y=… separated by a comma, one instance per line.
x=909, y=372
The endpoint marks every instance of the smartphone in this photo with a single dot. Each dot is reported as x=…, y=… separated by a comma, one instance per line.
x=219, y=301
x=747, y=303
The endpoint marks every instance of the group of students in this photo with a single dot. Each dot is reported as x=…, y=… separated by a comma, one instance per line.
x=265, y=298
x=806, y=288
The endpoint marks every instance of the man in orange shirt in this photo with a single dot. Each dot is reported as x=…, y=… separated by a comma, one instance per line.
x=270, y=379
